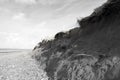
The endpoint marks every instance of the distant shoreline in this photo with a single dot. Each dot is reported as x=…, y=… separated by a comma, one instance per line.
x=13, y=50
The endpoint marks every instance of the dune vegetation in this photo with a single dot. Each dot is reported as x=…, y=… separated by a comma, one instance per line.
x=88, y=52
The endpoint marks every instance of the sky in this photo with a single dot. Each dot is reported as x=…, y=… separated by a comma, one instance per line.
x=24, y=23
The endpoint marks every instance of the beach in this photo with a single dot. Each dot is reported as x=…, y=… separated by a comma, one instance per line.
x=18, y=65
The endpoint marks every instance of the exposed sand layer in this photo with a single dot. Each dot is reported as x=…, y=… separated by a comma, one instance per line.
x=19, y=66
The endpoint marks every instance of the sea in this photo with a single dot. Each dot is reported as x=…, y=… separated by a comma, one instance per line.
x=7, y=51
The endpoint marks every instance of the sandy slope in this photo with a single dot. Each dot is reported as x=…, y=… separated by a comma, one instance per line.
x=19, y=66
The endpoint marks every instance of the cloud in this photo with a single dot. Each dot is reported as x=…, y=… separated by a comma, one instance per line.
x=67, y=4
x=42, y=2
x=19, y=16
x=26, y=1
x=42, y=24
x=38, y=20
x=49, y=2
x=16, y=40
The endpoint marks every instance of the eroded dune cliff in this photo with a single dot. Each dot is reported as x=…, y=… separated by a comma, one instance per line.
x=88, y=52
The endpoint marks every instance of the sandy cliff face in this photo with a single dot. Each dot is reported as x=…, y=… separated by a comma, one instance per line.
x=89, y=52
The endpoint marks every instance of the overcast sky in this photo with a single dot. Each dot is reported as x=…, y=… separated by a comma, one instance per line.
x=24, y=23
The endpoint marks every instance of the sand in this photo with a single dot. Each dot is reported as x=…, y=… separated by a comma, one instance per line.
x=20, y=66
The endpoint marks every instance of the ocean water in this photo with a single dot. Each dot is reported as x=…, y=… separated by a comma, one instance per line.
x=12, y=51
